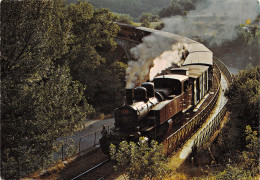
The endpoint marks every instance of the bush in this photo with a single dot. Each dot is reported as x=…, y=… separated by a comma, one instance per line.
x=140, y=160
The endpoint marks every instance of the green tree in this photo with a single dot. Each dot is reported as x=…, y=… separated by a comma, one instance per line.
x=140, y=160
x=248, y=34
x=111, y=77
x=92, y=33
x=125, y=18
x=244, y=97
x=145, y=17
x=146, y=23
x=247, y=166
x=246, y=45
x=178, y=7
x=40, y=101
x=231, y=173
x=250, y=157
x=91, y=37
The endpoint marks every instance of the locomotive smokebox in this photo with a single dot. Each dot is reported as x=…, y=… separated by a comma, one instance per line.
x=129, y=94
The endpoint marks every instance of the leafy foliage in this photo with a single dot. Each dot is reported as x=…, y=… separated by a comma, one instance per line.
x=112, y=82
x=149, y=17
x=47, y=51
x=232, y=172
x=244, y=96
x=140, y=161
x=146, y=23
x=146, y=18
x=250, y=157
x=124, y=18
x=91, y=34
x=248, y=34
x=40, y=101
x=247, y=166
x=90, y=58
x=242, y=150
x=178, y=7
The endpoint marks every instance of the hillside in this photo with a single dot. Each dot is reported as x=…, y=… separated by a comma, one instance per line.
x=132, y=7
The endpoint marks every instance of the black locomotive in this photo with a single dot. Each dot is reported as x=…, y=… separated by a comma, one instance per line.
x=149, y=109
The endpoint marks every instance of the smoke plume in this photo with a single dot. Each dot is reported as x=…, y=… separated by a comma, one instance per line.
x=167, y=59
x=214, y=21
x=155, y=54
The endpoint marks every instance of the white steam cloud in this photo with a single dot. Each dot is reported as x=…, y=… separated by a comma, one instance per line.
x=167, y=59
x=155, y=54
x=214, y=21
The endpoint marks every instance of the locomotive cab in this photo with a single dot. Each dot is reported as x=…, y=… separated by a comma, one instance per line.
x=176, y=89
x=168, y=85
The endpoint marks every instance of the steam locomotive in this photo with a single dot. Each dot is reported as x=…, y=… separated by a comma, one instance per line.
x=149, y=110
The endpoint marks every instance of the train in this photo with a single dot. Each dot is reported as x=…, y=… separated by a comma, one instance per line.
x=150, y=109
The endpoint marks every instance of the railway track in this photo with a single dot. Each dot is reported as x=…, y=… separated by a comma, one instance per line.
x=91, y=170
x=92, y=165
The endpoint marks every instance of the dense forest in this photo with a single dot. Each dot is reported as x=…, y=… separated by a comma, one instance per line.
x=53, y=62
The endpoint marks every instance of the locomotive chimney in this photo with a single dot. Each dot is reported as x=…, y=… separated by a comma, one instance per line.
x=129, y=94
x=150, y=89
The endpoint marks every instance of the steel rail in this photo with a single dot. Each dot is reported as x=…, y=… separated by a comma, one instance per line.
x=91, y=169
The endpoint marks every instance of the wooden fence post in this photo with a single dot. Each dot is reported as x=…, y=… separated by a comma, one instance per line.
x=79, y=144
x=95, y=138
